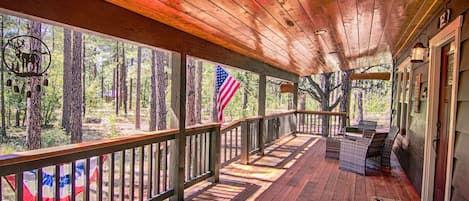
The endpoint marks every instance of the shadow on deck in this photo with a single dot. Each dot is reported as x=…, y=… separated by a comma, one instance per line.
x=294, y=168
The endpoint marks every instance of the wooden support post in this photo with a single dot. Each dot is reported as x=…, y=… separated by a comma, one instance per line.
x=261, y=111
x=245, y=136
x=178, y=120
x=214, y=163
x=295, y=107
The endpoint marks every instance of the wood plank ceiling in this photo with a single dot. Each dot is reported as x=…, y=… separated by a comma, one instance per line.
x=301, y=36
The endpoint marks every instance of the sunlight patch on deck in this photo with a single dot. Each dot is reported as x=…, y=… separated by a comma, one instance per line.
x=247, y=182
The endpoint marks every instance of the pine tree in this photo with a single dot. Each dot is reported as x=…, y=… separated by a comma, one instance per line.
x=67, y=77
x=161, y=86
x=198, y=92
x=138, y=92
x=33, y=109
x=190, y=97
x=76, y=89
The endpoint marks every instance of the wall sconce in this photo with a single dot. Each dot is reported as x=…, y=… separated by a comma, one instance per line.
x=418, y=53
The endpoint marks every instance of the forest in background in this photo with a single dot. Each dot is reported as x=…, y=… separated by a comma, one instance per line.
x=121, y=88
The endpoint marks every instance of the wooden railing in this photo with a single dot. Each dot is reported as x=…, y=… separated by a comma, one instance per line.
x=321, y=123
x=138, y=167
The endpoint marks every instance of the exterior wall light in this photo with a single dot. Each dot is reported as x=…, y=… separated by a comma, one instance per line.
x=418, y=53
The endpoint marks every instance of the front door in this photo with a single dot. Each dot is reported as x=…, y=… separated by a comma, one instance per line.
x=444, y=109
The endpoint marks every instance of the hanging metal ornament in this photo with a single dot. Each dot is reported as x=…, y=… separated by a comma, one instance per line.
x=26, y=57
x=16, y=89
x=46, y=81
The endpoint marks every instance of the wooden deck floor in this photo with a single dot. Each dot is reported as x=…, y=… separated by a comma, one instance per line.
x=295, y=169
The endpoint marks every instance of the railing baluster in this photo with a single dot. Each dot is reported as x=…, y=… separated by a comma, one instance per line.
x=141, y=172
x=86, y=194
x=236, y=141
x=99, y=183
x=132, y=174
x=202, y=152
x=196, y=155
x=39, y=184
x=150, y=171
x=224, y=147
x=165, y=172
x=111, y=177
x=57, y=182
x=72, y=181
x=231, y=144
x=158, y=168
x=186, y=159
x=122, y=176
x=199, y=167
x=1, y=190
x=19, y=186
x=207, y=151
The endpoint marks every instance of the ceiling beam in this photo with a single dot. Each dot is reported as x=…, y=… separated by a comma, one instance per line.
x=104, y=18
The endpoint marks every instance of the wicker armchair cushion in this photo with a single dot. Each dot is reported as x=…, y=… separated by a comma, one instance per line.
x=377, y=144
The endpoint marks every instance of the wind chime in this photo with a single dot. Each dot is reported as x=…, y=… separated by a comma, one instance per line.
x=27, y=58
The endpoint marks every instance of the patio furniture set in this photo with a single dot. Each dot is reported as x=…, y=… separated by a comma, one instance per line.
x=362, y=144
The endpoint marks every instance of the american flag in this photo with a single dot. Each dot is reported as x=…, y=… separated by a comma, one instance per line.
x=48, y=177
x=226, y=86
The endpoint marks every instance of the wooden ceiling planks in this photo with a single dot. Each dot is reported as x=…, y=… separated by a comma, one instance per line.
x=285, y=33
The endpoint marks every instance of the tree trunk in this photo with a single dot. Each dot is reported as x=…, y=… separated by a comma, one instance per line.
x=117, y=93
x=138, y=85
x=190, y=98
x=84, y=77
x=213, y=113
x=346, y=91
x=130, y=93
x=33, y=105
x=153, y=101
x=123, y=71
x=198, y=92
x=360, y=106
x=3, y=131
x=244, y=100
x=17, y=117
x=67, y=77
x=77, y=102
x=116, y=80
x=161, y=85
x=325, y=86
x=302, y=106
x=102, y=84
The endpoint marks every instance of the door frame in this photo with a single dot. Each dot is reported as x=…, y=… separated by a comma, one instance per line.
x=450, y=32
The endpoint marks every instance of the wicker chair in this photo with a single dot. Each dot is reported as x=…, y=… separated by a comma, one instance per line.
x=354, y=151
x=387, y=150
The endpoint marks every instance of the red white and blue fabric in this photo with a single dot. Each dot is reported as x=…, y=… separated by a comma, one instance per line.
x=48, y=178
x=226, y=87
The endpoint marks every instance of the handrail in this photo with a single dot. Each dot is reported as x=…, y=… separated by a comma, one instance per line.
x=67, y=153
x=270, y=116
x=239, y=121
x=321, y=112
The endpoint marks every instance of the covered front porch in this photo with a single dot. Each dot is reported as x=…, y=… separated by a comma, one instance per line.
x=295, y=168
x=266, y=155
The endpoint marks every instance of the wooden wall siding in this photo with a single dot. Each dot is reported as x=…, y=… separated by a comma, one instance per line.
x=282, y=33
x=463, y=93
x=105, y=18
x=460, y=180
x=409, y=149
x=464, y=65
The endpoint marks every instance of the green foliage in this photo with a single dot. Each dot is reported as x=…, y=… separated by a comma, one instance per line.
x=53, y=137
